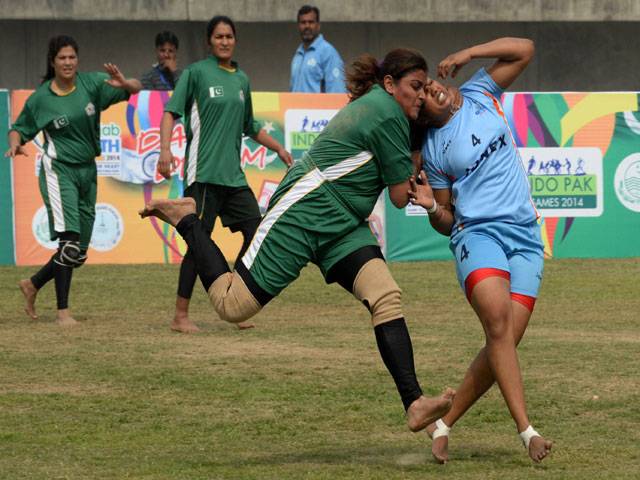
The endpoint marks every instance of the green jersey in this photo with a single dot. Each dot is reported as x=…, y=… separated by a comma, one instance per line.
x=217, y=110
x=363, y=149
x=71, y=123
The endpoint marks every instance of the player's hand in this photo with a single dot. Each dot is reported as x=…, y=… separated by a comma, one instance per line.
x=286, y=157
x=165, y=163
x=15, y=150
x=453, y=63
x=117, y=79
x=420, y=192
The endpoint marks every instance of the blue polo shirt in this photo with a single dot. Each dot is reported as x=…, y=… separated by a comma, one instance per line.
x=318, y=69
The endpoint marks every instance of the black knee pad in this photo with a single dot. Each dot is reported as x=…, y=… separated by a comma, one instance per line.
x=70, y=254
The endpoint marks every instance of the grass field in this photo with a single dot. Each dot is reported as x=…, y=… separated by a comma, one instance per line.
x=305, y=394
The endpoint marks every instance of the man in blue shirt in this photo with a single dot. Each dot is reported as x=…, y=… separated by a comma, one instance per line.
x=316, y=66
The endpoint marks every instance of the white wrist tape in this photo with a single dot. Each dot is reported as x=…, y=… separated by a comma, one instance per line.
x=527, y=435
x=433, y=209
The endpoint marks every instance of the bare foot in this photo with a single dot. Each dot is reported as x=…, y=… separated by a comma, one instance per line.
x=64, y=318
x=439, y=446
x=170, y=211
x=245, y=325
x=539, y=448
x=426, y=410
x=182, y=324
x=30, y=292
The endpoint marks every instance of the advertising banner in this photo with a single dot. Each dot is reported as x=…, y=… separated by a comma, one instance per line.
x=581, y=152
x=127, y=178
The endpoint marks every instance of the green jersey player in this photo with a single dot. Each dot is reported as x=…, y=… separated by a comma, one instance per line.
x=213, y=97
x=318, y=214
x=66, y=108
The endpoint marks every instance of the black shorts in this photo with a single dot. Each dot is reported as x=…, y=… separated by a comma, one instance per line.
x=234, y=205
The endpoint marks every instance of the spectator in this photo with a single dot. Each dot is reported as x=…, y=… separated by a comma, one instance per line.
x=164, y=74
x=316, y=66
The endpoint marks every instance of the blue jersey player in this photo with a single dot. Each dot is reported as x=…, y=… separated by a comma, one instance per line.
x=475, y=190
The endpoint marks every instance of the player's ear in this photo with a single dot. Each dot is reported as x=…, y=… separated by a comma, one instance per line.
x=389, y=84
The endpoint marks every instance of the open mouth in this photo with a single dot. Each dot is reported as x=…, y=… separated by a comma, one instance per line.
x=441, y=97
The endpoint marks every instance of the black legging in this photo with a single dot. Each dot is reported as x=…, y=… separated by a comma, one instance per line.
x=188, y=269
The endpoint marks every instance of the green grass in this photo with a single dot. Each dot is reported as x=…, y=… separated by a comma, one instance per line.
x=305, y=395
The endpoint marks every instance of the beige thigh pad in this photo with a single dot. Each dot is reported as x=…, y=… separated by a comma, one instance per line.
x=376, y=288
x=231, y=298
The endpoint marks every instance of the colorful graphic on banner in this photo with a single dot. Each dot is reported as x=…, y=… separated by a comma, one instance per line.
x=595, y=199
x=127, y=178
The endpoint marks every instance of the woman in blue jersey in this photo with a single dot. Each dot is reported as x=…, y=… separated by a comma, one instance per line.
x=66, y=108
x=477, y=193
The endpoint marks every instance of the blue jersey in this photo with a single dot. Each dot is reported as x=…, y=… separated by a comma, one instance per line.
x=474, y=155
x=318, y=69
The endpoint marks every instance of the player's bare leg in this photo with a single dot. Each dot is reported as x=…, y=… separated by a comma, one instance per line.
x=30, y=292
x=170, y=211
x=64, y=318
x=181, y=322
x=477, y=380
x=426, y=410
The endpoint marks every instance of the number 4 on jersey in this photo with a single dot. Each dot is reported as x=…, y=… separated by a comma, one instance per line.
x=475, y=140
x=464, y=253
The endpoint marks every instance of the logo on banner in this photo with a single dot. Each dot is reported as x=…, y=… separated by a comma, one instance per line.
x=111, y=146
x=627, y=182
x=565, y=182
x=40, y=229
x=108, y=228
x=302, y=127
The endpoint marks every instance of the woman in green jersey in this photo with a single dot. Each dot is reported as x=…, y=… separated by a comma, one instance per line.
x=319, y=214
x=66, y=108
x=214, y=98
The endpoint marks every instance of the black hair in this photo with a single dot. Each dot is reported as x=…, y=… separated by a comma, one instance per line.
x=366, y=71
x=308, y=9
x=167, y=37
x=55, y=45
x=213, y=23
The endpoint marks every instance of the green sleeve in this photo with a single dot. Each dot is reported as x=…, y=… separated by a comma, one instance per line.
x=108, y=95
x=389, y=143
x=26, y=124
x=182, y=95
x=250, y=127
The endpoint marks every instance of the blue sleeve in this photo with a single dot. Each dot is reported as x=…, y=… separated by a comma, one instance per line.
x=482, y=82
x=435, y=173
x=334, y=72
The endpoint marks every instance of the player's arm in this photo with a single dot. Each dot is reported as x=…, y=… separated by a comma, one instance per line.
x=166, y=161
x=263, y=138
x=512, y=57
x=437, y=203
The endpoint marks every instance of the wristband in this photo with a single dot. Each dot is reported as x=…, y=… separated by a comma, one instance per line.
x=433, y=209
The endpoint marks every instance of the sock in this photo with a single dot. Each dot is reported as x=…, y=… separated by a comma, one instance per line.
x=394, y=344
